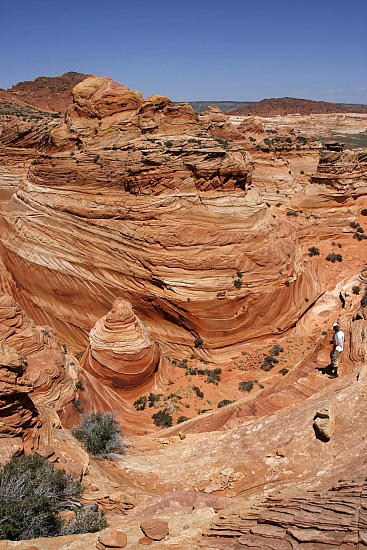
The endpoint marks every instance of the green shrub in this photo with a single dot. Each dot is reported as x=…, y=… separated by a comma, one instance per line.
x=284, y=371
x=153, y=398
x=78, y=405
x=288, y=140
x=239, y=274
x=246, y=386
x=313, y=251
x=292, y=213
x=168, y=143
x=79, y=385
x=162, y=418
x=32, y=494
x=85, y=521
x=334, y=257
x=237, y=283
x=224, y=403
x=198, y=391
x=198, y=342
x=356, y=289
x=364, y=212
x=140, y=403
x=302, y=172
x=100, y=433
x=354, y=225
x=182, y=419
x=360, y=229
x=95, y=159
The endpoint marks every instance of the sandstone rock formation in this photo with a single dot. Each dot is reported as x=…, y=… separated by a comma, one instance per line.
x=324, y=423
x=120, y=352
x=17, y=412
x=334, y=518
x=50, y=93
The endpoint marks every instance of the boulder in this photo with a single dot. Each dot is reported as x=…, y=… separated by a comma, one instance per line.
x=155, y=528
x=324, y=423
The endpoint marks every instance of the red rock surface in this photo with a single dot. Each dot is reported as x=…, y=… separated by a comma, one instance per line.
x=49, y=93
x=120, y=351
x=288, y=105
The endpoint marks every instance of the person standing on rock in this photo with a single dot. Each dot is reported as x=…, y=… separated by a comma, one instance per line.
x=338, y=343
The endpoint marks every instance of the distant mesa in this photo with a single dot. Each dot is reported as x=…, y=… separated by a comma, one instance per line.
x=290, y=105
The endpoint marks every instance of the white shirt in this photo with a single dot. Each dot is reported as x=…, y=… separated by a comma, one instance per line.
x=339, y=340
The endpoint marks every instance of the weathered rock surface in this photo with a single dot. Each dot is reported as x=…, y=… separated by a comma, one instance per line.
x=17, y=412
x=155, y=528
x=324, y=423
x=328, y=519
x=120, y=351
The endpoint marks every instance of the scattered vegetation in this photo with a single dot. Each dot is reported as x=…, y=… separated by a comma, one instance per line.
x=237, y=283
x=162, y=418
x=356, y=289
x=100, y=433
x=140, y=403
x=78, y=405
x=334, y=257
x=79, y=385
x=292, y=213
x=168, y=143
x=284, y=371
x=364, y=212
x=313, y=251
x=224, y=403
x=182, y=418
x=198, y=342
x=32, y=495
x=198, y=391
x=246, y=385
x=271, y=360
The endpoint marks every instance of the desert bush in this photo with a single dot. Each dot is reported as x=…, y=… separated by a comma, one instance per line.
x=246, y=386
x=360, y=229
x=313, y=251
x=198, y=391
x=140, y=403
x=32, y=493
x=79, y=385
x=354, y=225
x=364, y=299
x=153, y=398
x=198, y=342
x=162, y=418
x=364, y=212
x=284, y=371
x=182, y=419
x=334, y=257
x=78, y=405
x=168, y=143
x=224, y=403
x=100, y=433
x=85, y=521
x=292, y=213
x=237, y=283
x=356, y=289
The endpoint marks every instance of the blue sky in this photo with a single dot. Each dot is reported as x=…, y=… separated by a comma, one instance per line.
x=193, y=49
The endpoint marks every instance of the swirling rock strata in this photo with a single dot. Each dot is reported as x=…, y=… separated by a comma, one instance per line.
x=120, y=351
x=345, y=171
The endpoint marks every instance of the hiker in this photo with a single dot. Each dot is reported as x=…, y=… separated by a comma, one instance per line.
x=338, y=343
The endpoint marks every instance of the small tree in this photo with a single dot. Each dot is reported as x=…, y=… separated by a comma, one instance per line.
x=100, y=433
x=162, y=418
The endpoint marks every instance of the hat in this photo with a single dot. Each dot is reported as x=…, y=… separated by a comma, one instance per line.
x=335, y=325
